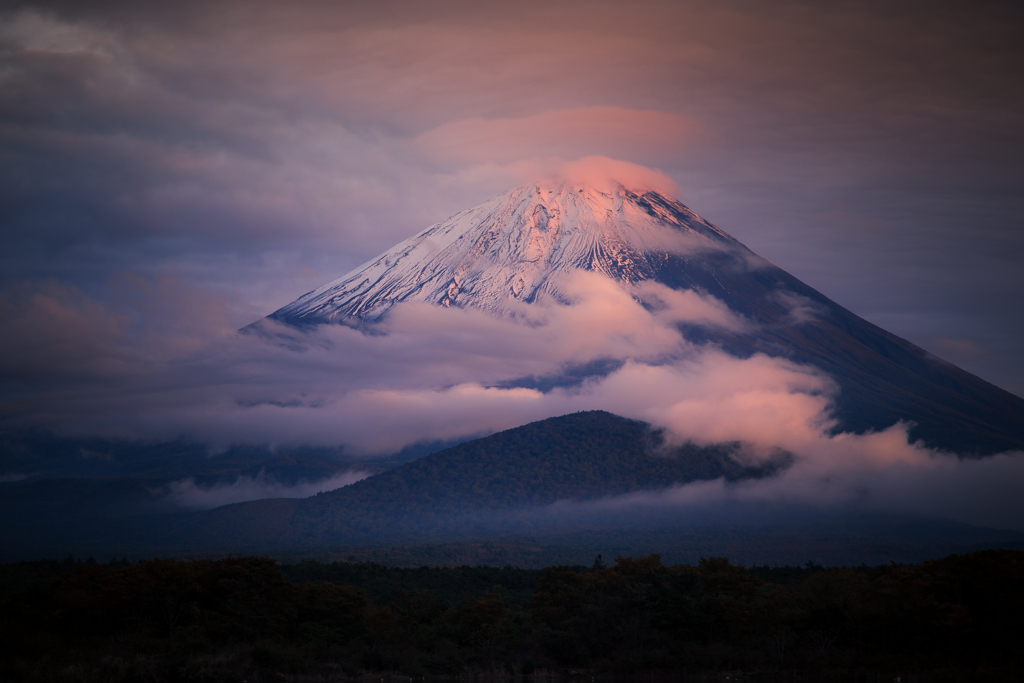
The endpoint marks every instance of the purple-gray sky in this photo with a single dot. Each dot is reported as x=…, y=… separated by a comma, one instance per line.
x=178, y=169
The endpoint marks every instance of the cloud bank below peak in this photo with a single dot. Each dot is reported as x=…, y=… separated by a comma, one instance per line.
x=430, y=373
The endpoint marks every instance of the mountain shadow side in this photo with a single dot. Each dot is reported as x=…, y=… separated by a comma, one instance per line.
x=882, y=377
x=472, y=486
x=515, y=246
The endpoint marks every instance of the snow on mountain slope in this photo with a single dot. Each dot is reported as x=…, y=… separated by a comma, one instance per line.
x=511, y=248
x=518, y=248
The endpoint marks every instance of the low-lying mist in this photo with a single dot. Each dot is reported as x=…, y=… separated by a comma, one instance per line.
x=432, y=374
x=187, y=494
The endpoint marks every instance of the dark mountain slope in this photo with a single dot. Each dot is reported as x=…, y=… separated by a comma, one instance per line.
x=499, y=489
x=882, y=378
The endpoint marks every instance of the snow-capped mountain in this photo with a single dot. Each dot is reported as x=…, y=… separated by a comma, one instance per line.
x=512, y=250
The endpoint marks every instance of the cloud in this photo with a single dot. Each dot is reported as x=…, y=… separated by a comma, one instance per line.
x=607, y=174
x=607, y=131
x=57, y=333
x=375, y=391
x=56, y=330
x=958, y=349
x=433, y=373
x=801, y=309
x=688, y=306
x=896, y=478
x=186, y=493
x=595, y=171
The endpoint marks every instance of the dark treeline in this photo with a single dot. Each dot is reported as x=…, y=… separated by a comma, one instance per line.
x=250, y=619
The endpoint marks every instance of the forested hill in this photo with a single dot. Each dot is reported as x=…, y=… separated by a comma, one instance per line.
x=582, y=456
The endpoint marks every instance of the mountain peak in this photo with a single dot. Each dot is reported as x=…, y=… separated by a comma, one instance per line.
x=511, y=249
x=518, y=248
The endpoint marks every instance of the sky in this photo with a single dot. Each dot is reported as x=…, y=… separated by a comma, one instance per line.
x=171, y=172
x=249, y=152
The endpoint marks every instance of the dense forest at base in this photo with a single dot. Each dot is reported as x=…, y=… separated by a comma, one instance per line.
x=251, y=619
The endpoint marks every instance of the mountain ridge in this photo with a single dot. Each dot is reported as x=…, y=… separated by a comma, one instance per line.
x=507, y=254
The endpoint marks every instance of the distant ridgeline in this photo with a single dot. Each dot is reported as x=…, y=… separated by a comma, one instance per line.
x=248, y=618
x=549, y=477
x=548, y=492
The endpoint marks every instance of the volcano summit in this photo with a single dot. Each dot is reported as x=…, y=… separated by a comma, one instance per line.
x=512, y=248
x=516, y=250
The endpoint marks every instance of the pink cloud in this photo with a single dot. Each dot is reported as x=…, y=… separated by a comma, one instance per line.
x=56, y=330
x=437, y=373
x=569, y=133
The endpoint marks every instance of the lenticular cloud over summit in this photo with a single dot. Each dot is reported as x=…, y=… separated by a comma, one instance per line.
x=575, y=292
x=609, y=176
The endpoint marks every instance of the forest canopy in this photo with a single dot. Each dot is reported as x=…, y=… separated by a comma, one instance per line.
x=251, y=617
